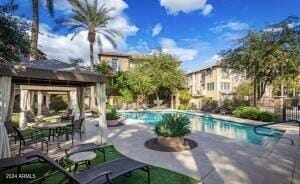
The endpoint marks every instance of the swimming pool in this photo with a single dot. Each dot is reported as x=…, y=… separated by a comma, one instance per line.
x=235, y=130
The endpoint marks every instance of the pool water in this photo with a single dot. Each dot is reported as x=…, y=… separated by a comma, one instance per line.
x=235, y=130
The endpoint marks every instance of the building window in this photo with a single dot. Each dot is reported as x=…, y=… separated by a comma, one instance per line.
x=225, y=86
x=202, y=86
x=210, y=86
x=224, y=74
x=202, y=75
x=209, y=72
x=115, y=64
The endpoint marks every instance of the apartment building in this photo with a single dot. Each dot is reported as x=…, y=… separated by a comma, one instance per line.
x=118, y=61
x=212, y=81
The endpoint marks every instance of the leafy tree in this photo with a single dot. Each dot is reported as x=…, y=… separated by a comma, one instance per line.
x=184, y=97
x=87, y=16
x=35, y=24
x=127, y=95
x=161, y=72
x=105, y=69
x=244, y=89
x=292, y=86
x=14, y=39
x=140, y=83
x=266, y=55
x=121, y=84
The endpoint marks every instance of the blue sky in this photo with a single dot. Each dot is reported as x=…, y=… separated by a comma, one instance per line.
x=194, y=31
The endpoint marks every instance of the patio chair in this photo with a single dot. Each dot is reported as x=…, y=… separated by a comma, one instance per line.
x=66, y=118
x=34, y=139
x=102, y=173
x=10, y=130
x=61, y=131
x=75, y=128
x=85, y=147
x=30, y=117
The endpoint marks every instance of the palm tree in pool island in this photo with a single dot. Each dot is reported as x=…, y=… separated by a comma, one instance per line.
x=89, y=17
x=35, y=25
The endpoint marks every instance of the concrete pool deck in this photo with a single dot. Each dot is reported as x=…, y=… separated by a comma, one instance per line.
x=217, y=159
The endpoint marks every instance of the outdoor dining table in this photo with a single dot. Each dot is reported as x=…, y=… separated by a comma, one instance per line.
x=53, y=127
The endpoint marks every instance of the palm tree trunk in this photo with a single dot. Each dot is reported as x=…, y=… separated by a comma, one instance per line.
x=93, y=100
x=34, y=29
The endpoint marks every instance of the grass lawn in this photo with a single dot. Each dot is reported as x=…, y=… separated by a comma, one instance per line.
x=158, y=175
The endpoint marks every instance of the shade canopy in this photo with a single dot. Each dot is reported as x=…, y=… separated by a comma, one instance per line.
x=50, y=73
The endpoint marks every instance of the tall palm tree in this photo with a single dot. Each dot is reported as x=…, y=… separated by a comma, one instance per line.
x=87, y=16
x=35, y=24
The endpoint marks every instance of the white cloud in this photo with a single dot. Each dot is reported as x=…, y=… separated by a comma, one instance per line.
x=118, y=5
x=183, y=54
x=156, y=29
x=230, y=26
x=141, y=47
x=230, y=30
x=231, y=36
x=207, y=9
x=61, y=47
x=186, y=6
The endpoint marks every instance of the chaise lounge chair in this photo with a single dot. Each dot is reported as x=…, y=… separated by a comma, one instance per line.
x=34, y=139
x=85, y=147
x=102, y=173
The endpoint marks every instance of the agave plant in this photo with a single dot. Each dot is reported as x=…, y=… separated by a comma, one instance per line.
x=112, y=114
x=173, y=125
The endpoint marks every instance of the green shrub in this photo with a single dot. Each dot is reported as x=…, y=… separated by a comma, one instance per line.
x=58, y=105
x=112, y=114
x=213, y=104
x=191, y=106
x=182, y=107
x=267, y=116
x=230, y=105
x=95, y=111
x=247, y=113
x=239, y=103
x=227, y=105
x=173, y=125
x=209, y=104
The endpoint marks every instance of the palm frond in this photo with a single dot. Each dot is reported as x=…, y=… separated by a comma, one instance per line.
x=87, y=16
x=78, y=5
x=50, y=6
x=99, y=42
x=111, y=40
x=75, y=34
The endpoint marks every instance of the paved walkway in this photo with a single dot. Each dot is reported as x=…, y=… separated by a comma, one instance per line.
x=217, y=159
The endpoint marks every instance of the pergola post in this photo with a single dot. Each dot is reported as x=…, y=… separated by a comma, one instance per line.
x=73, y=97
x=28, y=103
x=47, y=100
x=23, y=103
x=40, y=101
x=32, y=101
x=101, y=98
x=69, y=100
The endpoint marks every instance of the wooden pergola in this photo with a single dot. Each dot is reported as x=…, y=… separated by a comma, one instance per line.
x=47, y=74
